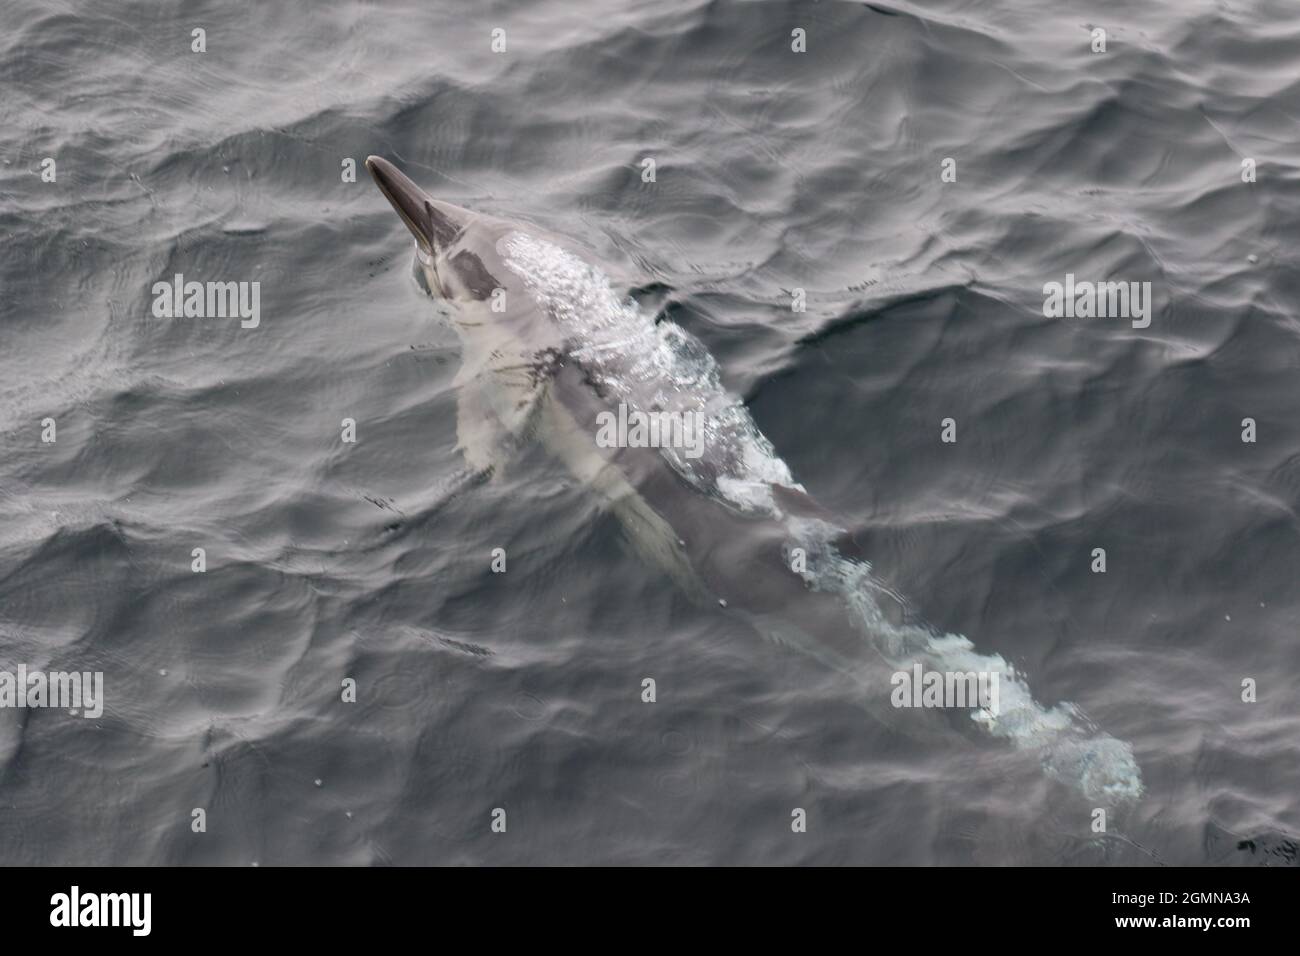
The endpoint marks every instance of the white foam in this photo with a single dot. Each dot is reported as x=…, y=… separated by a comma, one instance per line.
x=1070, y=748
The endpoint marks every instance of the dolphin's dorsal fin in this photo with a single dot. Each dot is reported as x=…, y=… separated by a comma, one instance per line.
x=799, y=503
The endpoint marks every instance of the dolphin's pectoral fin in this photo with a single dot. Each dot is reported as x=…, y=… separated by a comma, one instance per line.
x=481, y=438
x=521, y=385
x=498, y=407
x=473, y=440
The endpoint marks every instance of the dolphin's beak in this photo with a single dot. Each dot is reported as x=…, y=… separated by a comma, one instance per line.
x=416, y=207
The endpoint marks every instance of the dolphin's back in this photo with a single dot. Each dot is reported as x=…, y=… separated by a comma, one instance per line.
x=651, y=368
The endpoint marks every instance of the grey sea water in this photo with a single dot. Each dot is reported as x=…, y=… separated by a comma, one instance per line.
x=775, y=171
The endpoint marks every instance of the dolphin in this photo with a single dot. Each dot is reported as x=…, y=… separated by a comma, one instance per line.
x=551, y=350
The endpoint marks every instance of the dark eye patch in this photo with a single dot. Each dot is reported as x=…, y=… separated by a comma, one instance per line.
x=473, y=275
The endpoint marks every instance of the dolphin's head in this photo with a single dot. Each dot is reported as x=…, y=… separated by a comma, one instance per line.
x=436, y=225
